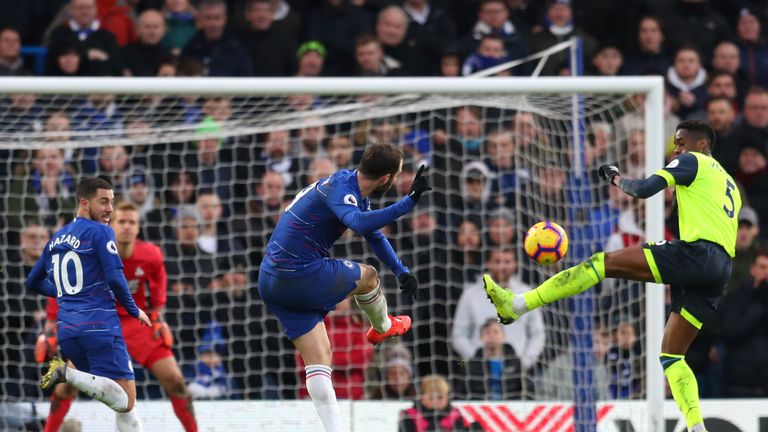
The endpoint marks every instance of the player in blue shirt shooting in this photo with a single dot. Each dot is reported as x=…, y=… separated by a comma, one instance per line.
x=81, y=267
x=300, y=283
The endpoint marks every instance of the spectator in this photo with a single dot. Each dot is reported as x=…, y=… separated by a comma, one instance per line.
x=99, y=112
x=144, y=57
x=494, y=372
x=608, y=60
x=753, y=48
x=337, y=25
x=490, y=53
x=723, y=84
x=311, y=57
x=219, y=239
x=753, y=176
x=398, y=376
x=500, y=160
x=686, y=83
x=21, y=257
x=138, y=189
x=559, y=27
x=553, y=383
x=744, y=313
x=753, y=129
x=649, y=57
x=430, y=30
x=220, y=53
x=527, y=337
x=722, y=117
x=98, y=48
x=311, y=137
x=209, y=379
x=501, y=229
x=473, y=198
x=694, y=22
x=190, y=269
x=210, y=160
x=45, y=191
x=371, y=60
x=450, y=64
x=114, y=163
x=264, y=210
x=433, y=410
x=726, y=58
x=277, y=157
x=180, y=22
x=625, y=362
x=466, y=257
x=748, y=243
x=67, y=61
x=11, y=62
x=288, y=18
x=180, y=195
x=271, y=47
x=319, y=168
x=391, y=31
x=116, y=19
x=351, y=352
x=493, y=18
x=340, y=150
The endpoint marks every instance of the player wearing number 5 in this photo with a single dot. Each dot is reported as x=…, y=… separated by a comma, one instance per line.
x=300, y=283
x=81, y=267
x=697, y=266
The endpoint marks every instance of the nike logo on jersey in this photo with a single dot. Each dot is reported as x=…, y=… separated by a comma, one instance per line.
x=68, y=239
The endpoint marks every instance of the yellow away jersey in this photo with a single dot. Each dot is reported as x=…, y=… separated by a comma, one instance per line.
x=708, y=199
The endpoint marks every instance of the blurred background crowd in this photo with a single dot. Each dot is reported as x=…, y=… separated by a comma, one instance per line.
x=211, y=203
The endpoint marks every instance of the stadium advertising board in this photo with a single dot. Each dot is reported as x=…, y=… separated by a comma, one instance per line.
x=733, y=415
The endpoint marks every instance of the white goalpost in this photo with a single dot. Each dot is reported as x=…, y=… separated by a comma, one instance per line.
x=557, y=130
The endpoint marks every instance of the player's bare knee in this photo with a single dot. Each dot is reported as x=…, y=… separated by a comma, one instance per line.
x=176, y=386
x=369, y=279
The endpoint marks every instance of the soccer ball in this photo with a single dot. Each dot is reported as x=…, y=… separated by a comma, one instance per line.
x=546, y=242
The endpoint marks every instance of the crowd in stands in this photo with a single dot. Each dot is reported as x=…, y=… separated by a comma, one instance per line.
x=211, y=203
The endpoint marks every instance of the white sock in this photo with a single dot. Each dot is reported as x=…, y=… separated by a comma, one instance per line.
x=699, y=427
x=374, y=305
x=129, y=421
x=518, y=305
x=320, y=388
x=102, y=389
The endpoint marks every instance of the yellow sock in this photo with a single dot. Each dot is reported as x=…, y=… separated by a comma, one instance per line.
x=568, y=282
x=684, y=387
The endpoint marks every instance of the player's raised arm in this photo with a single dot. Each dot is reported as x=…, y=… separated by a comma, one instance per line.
x=378, y=170
x=680, y=171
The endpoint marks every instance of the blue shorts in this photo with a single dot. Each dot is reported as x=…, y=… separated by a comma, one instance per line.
x=302, y=302
x=105, y=356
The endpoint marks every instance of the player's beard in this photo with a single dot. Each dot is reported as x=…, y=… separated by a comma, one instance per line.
x=383, y=189
x=96, y=216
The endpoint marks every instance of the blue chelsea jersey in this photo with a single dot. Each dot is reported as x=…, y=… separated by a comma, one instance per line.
x=312, y=223
x=76, y=260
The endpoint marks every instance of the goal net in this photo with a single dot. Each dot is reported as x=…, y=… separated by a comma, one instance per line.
x=211, y=164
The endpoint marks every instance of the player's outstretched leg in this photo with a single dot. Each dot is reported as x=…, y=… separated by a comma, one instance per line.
x=61, y=401
x=102, y=389
x=566, y=283
x=373, y=303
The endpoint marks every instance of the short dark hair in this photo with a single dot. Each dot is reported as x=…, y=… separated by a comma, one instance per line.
x=702, y=129
x=380, y=159
x=88, y=187
x=712, y=100
x=365, y=39
x=488, y=323
x=503, y=249
x=760, y=252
